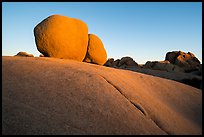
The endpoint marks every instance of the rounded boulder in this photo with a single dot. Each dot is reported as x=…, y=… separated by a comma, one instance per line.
x=62, y=37
x=96, y=52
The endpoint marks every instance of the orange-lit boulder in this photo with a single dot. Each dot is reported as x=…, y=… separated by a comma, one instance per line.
x=62, y=37
x=96, y=52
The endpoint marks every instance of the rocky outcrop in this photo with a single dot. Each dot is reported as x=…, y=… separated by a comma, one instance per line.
x=50, y=96
x=163, y=66
x=191, y=79
x=124, y=62
x=109, y=62
x=62, y=37
x=96, y=52
x=24, y=54
x=187, y=61
x=187, y=70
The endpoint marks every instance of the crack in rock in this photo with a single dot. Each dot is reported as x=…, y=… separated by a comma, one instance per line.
x=134, y=104
x=159, y=126
x=139, y=107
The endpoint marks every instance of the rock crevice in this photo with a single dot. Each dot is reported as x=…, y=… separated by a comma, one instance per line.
x=137, y=106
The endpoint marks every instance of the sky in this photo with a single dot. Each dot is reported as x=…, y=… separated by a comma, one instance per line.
x=145, y=31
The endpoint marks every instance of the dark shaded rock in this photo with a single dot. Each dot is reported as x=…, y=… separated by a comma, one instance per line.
x=109, y=62
x=116, y=62
x=197, y=83
x=162, y=65
x=186, y=78
x=127, y=61
x=124, y=62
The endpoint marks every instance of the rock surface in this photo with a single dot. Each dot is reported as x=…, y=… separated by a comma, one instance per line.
x=179, y=66
x=163, y=66
x=124, y=62
x=96, y=52
x=187, y=61
x=194, y=80
x=62, y=96
x=24, y=54
x=62, y=37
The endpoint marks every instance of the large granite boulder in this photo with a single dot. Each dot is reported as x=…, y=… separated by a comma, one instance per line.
x=62, y=37
x=187, y=61
x=96, y=52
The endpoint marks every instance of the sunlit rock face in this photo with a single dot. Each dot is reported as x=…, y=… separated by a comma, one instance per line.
x=24, y=54
x=96, y=52
x=62, y=37
x=188, y=61
x=50, y=96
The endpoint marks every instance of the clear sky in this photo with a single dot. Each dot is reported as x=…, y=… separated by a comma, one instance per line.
x=144, y=31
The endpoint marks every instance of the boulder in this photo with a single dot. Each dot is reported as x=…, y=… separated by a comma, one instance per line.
x=115, y=63
x=162, y=65
x=96, y=52
x=148, y=65
x=187, y=61
x=24, y=54
x=128, y=61
x=171, y=56
x=109, y=62
x=62, y=37
x=123, y=63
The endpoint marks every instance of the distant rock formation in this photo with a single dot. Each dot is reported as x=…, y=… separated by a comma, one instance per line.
x=24, y=54
x=124, y=62
x=162, y=65
x=67, y=38
x=187, y=61
x=96, y=52
x=179, y=66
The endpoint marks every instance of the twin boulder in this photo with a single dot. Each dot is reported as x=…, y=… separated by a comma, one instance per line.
x=67, y=38
x=96, y=52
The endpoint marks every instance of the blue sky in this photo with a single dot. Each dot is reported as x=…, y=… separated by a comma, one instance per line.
x=144, y=31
